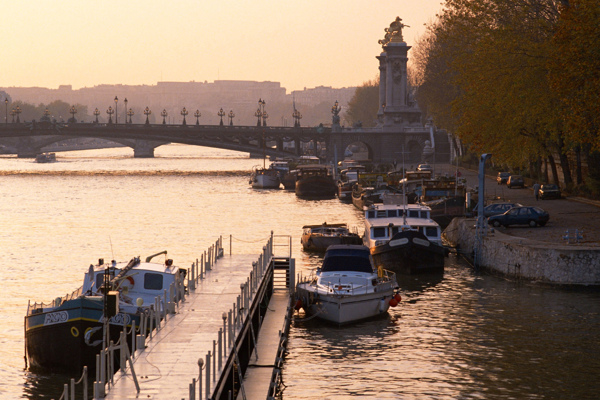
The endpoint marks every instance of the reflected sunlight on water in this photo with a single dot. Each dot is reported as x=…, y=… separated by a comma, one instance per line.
x=460, y=335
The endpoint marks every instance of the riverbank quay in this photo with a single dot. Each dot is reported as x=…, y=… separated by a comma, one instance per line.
x=204, y=349
x=524, y=258
x=564, y=252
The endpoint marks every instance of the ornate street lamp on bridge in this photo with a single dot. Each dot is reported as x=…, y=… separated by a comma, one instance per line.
x=297, y=117
x=258, y=114
x=110, y=112
x=72, y=111
x=116, y=114
x=18, y=111
x=164, y=114
x=6, y=110
x=146, y=113
x=264, y=115
x=46, y=116
x=221, y=113
x=231, y=115
x=184, y=112
x=96, y=113
x=125, y=101
x=197, y=114
x=12, y=114
x=130, y=113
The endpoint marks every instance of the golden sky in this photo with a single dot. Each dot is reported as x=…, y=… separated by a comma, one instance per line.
x=302, y=43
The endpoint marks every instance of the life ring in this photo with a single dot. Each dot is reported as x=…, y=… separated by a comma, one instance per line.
x=129, y=279
x=74, y=331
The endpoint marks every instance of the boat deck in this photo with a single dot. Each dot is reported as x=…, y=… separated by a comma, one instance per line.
x=170, y=361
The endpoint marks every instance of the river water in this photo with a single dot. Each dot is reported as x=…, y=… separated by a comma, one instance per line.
x=465, y=335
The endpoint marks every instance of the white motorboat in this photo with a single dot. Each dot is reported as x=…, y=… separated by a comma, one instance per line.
x=347, y=288
x=265, y=178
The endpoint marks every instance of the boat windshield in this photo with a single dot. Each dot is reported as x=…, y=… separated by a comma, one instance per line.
x=347, y=260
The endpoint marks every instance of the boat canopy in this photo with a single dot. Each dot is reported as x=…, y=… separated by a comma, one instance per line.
x=353, y=258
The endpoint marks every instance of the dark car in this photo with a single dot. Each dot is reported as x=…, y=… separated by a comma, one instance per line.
x=498, y=208
x=515, y=181
x=549, y=191
x=502, y=177
x=532, y=216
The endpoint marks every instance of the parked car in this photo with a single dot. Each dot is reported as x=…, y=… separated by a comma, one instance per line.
x=527, y=215
x=498, y=208
x=549, y=191
x=502, y=177
x=424, y=167
x=515, y=181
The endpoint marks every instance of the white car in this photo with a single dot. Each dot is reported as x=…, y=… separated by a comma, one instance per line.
x=424, y=167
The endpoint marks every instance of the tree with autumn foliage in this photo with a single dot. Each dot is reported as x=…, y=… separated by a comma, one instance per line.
x=488, y=70
x=363, y=107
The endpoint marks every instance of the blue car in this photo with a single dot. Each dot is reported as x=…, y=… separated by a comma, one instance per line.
x=532, y=216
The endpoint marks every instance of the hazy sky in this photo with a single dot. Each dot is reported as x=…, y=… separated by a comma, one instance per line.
x=302, y=43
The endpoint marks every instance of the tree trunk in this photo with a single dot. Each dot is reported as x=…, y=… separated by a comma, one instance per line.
x=564, y=163
x=554, y=170
x=579, y=173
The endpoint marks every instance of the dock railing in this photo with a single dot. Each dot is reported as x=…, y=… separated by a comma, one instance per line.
x=224, y=348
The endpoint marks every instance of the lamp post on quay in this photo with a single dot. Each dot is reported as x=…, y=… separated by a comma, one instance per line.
x=110, y=112
x=184, y=112
x=197, y=114
x=146, y=113
x=96, y=113
x=164, y=114
x=231, y=115
x=130, y=113
x=221, y=113
x=116, y=113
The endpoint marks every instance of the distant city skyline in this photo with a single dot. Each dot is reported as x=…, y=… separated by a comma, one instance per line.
x=301, y=44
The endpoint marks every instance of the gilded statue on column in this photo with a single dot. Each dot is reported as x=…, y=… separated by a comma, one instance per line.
x=394, y=32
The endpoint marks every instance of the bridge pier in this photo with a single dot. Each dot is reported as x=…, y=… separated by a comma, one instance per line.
x=144, y=148
x=26, y=148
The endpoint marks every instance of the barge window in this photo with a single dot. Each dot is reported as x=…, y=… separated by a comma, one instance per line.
x=413, y=213
x=431, y=231
x=379, y=232
x=370, y=214
x=392, y=213
x=153, y=281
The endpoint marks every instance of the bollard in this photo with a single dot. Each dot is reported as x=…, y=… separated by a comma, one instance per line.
x=200, y=364
x=229, y=330
x=220, y=349
x=122, y=351
x=214, y=359
x=208, y=375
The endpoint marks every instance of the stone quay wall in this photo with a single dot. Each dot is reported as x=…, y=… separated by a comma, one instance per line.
x=522, y=258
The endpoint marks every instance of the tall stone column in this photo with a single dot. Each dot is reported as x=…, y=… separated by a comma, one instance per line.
x=382, y=85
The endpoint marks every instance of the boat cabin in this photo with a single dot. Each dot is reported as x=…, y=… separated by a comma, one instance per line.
x=382, y=221
x=134, y=280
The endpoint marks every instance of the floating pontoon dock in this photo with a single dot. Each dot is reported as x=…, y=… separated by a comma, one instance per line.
x=225, y=340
